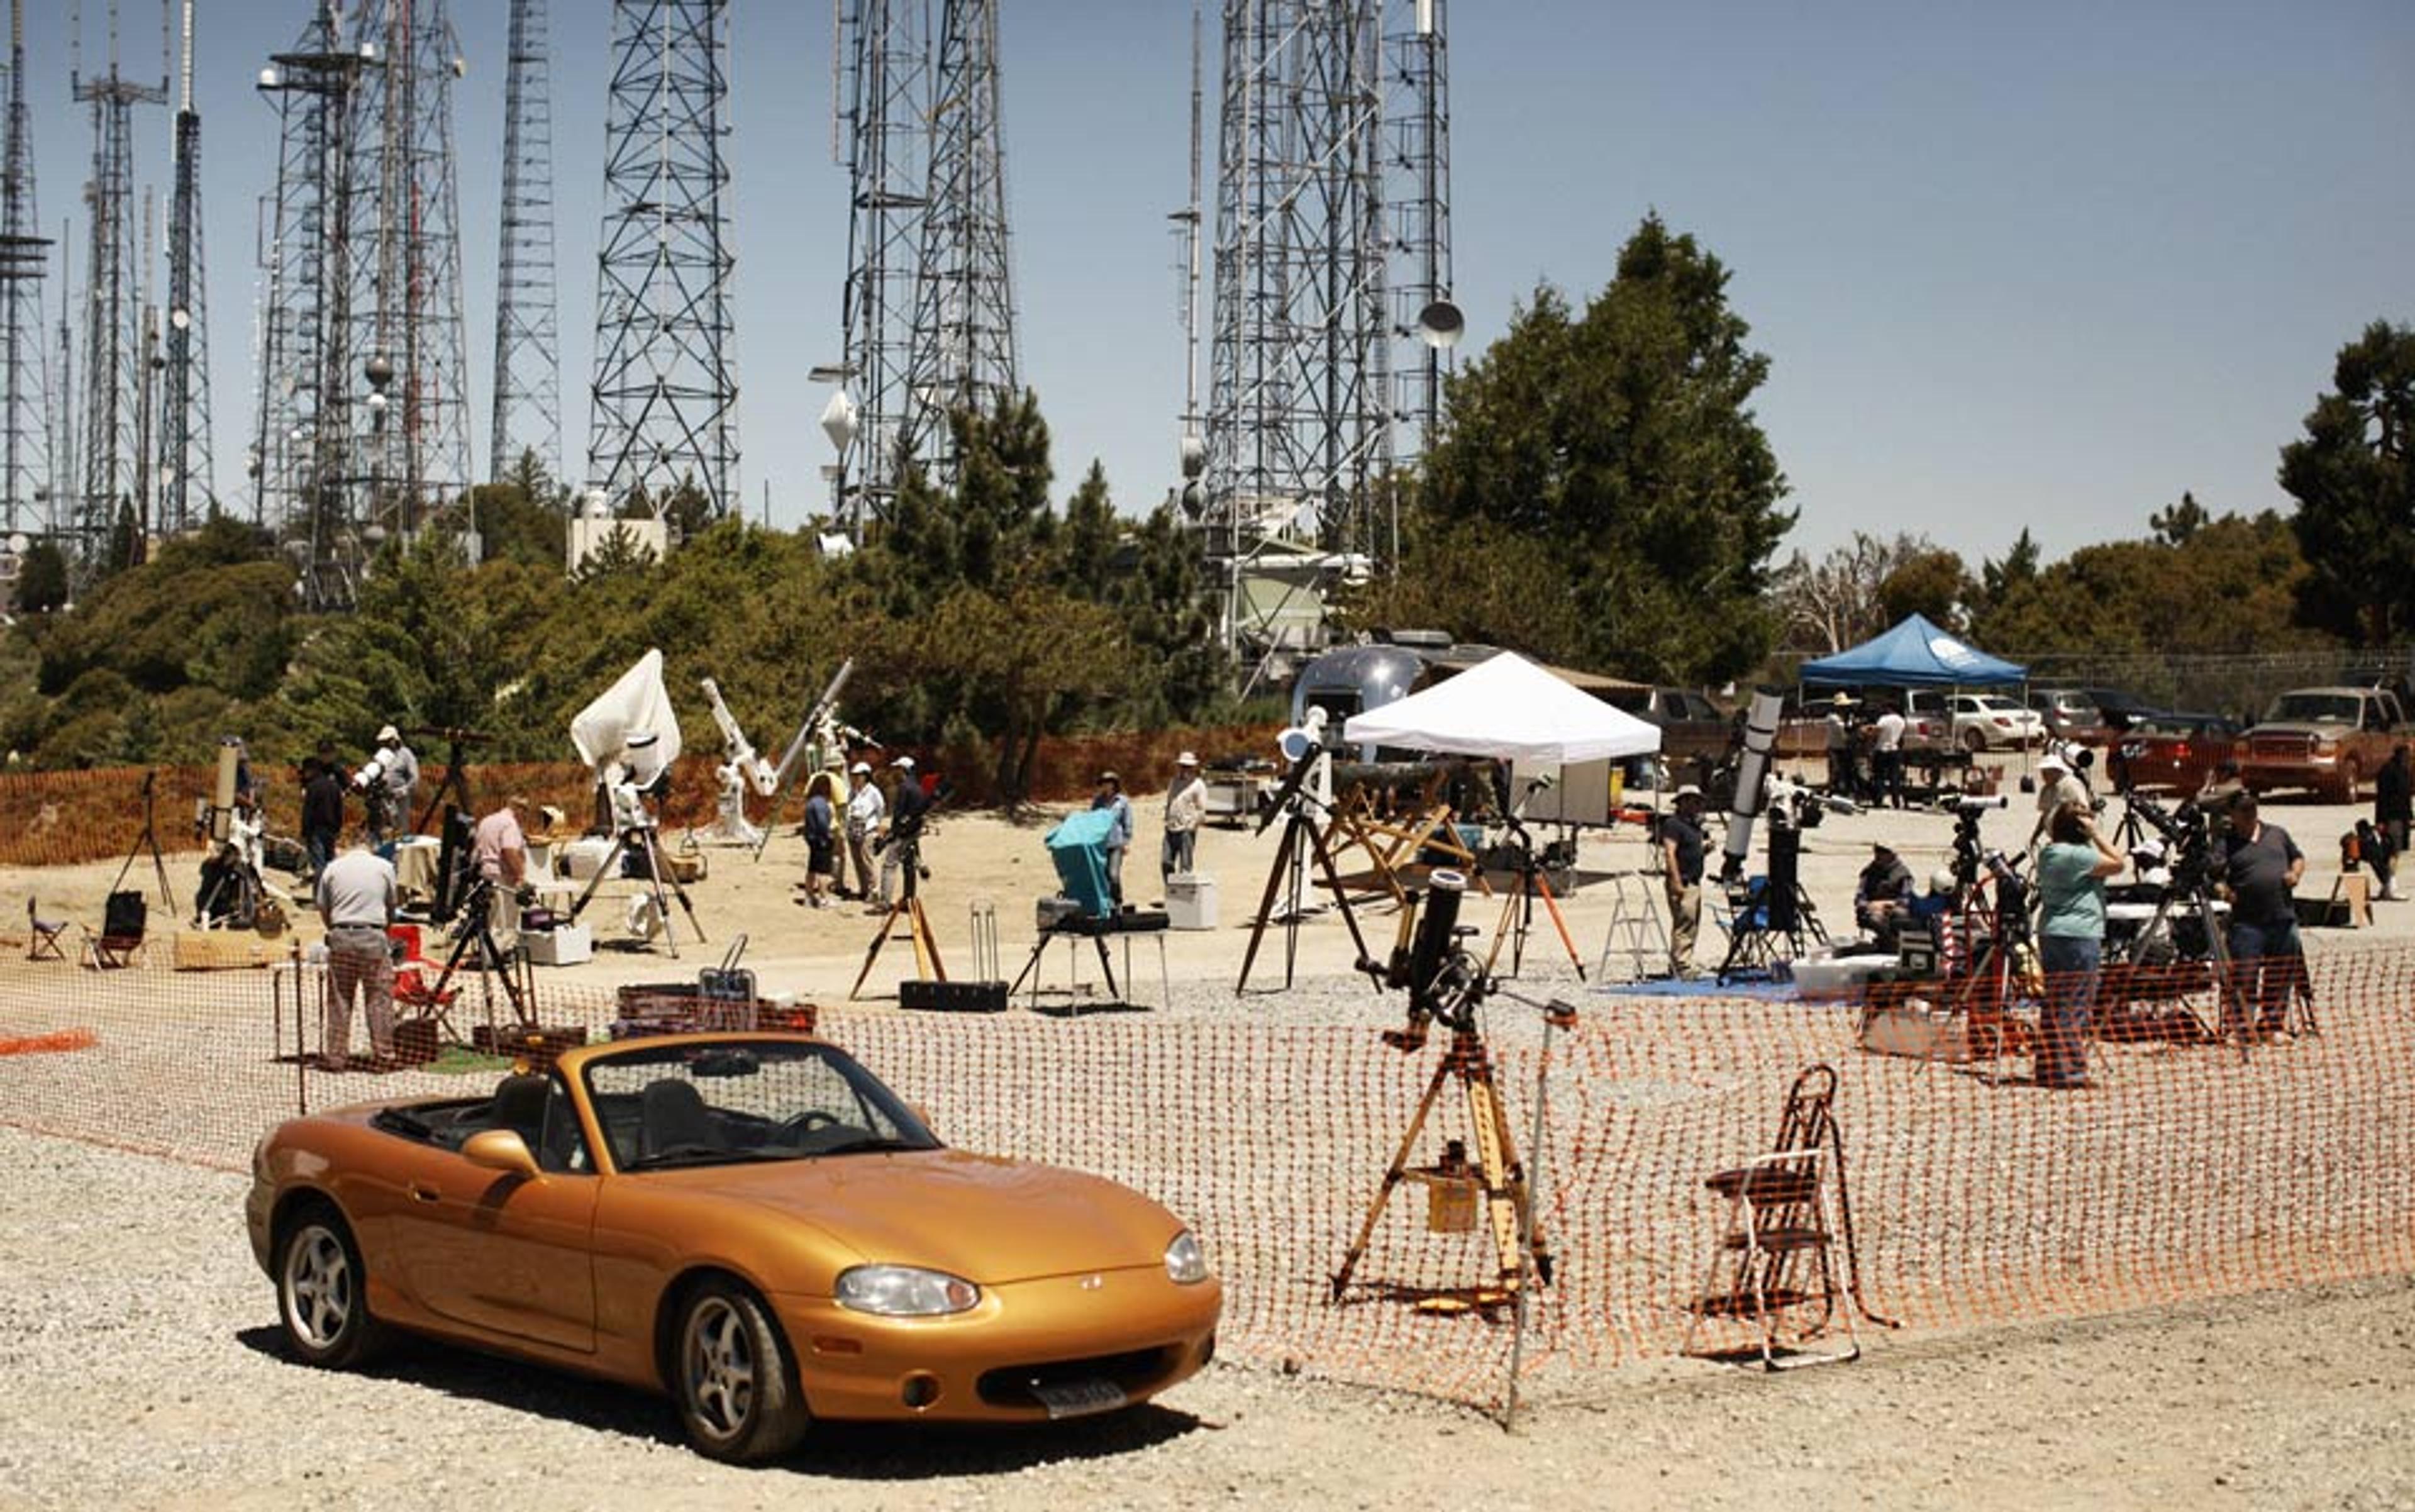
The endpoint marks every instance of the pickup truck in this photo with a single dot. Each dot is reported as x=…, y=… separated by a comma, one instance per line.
x=2325, y=739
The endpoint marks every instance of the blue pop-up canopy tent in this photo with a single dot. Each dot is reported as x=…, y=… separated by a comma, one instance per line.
x=1913, y=655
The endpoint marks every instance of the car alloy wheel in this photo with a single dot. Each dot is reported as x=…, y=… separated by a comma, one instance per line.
x=736, y=1393
x=321, y=1290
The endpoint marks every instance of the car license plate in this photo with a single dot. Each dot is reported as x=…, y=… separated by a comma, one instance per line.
x=1077, y=1399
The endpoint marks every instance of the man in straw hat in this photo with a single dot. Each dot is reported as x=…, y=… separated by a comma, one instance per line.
x=1682, y=848
x=1186, y=806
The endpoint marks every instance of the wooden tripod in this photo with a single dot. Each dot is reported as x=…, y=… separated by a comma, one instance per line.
x=1500, y=1180
x=909, y=907
x=1298, y=829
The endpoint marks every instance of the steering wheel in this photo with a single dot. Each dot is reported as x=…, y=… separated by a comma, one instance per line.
x=793, y=1128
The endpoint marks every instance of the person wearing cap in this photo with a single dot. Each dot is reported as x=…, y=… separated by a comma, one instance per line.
x=2259, y=867
x=1682, y=848
x=399, y=778
x=499, y=846
x=1186, y=805
x=1844, y=776
x=2057, y=786
x=2071, y=875
x=865, y=811
x=1883, y=893
x=1110, y=797
x=906, y=811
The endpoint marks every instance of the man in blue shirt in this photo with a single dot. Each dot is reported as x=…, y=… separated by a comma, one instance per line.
x=822, y=842
x=1111, y=797
x=2260, y=868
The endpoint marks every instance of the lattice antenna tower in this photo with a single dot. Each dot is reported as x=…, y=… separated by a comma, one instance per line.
x=408, y=329
x=962, y=356
x=186, y=489
x=665, y=389
x=1417, y=162
x=25, y=478
x=527, y=348
x=1190, y=223
x=886, y=46
x=114, y=337
x=302, y=457
x=1299, y=420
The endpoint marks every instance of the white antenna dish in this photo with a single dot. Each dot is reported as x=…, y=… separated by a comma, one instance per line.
x=1441, y=324
x=19, y=544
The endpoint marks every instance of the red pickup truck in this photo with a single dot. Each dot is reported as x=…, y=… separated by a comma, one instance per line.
x=2326, y=740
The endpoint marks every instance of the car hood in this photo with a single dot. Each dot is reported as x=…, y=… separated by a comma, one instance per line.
x=2297, y=727
x=987, y=1220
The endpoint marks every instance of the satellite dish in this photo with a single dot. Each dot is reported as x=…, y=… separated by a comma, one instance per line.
x=181, y=319
x=1440, y=326
x=379, y=371
x=839, y=420
x=20, y=544
x=1194, y=456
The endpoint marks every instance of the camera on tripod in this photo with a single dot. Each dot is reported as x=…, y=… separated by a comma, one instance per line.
x=2187, y=839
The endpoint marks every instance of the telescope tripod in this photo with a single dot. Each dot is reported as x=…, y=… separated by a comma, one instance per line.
x=148, y=839
x=476, y=932
x=642, y=839
x=1518, y=914
x=909, y=907
x=1299, y=828
x=1499, y=1178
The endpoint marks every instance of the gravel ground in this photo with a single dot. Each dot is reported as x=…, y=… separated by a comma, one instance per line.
x=137, y=1340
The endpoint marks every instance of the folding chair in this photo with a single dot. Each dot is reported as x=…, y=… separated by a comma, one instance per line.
x=42, y=942
x=119, y=942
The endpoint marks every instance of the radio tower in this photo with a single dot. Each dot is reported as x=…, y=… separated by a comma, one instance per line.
x=25, y=257
x=887, y=54
x=302, y=454
x=1419, y=164
x=113, y=361
x=964, y=309
x=407, y=315
x=528, y=361
x=665, y=391
x=1298, y=419
x=184, y=481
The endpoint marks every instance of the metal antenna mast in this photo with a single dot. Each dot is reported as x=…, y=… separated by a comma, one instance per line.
x=887, y=46
x=26, y=479
x=1420, y=163
x=1193, y=454
x=665, y=390
x=408, y=329
x=301, y=455
x=1299, y=418
x=528, y=351
x=185, y=482
x=113, y=374
x=962, y=356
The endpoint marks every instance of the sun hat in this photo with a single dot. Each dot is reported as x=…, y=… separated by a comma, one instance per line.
x=861, y=769
x=1186, y=760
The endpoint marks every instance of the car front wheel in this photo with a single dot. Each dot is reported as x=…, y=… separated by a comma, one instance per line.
x=736, y=1386
x=322, y=1293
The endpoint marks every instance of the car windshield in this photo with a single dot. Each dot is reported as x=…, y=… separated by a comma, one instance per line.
x=719, y=1101
x=2312, y=709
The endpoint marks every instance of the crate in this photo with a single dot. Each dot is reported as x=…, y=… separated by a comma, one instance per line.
x=539, y=1046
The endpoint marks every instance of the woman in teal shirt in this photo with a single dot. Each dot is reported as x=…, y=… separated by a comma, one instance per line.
x=2071, y=874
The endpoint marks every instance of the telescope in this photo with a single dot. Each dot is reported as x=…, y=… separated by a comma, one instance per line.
x=1969, y=804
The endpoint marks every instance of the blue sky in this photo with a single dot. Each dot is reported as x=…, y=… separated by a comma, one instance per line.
x=2042, y=265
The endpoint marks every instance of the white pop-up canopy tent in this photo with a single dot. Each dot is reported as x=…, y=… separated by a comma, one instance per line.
x=1508, y=708
x=1511, y=709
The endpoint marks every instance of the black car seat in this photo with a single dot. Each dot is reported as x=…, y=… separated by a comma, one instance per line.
x=520, y=1106
x=671, y=1113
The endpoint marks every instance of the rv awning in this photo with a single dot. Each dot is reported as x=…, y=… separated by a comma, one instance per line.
x=1509, y=708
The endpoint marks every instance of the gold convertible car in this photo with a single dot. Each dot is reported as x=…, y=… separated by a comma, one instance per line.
x=752, y=1224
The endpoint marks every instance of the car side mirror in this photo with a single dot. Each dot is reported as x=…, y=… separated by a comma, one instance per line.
x=500, y=1149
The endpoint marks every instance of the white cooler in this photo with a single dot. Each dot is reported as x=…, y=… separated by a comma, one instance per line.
x=583, y=858
x=564, y=947
x=1190, y=900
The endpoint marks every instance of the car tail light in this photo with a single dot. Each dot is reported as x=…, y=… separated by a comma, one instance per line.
x=2002, y=722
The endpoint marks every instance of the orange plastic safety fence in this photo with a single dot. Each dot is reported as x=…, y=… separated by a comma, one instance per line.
x=2189, y=1168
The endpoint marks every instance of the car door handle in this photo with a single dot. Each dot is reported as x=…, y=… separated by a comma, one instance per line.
x=422, y=1193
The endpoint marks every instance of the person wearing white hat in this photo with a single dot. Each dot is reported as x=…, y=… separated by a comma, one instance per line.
x=906, y=811
x=865, y=811
x=398, y=779
x=2057, y=786
x=1683, y=845
x=1186, y=806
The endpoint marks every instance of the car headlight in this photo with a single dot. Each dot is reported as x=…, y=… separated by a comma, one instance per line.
x=1186, y=1264
x=905, y=1292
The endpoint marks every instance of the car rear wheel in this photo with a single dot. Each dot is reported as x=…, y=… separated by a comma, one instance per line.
x=1974, y=740
x=322, y=1293
x=736, y=1386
